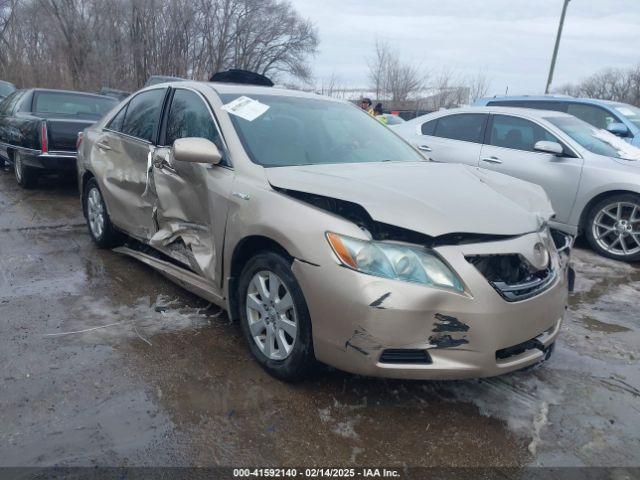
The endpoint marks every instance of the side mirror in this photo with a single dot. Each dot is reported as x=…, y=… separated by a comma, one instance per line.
x=196, y=150
x=545, y=146
x=618, y=129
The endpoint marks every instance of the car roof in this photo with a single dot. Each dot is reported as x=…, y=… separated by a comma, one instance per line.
x=223, y=88
x=246, y=89
x=547, y=98
x=53, y=90
x=521, y=111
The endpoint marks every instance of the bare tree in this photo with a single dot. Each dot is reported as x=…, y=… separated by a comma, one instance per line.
x=390, y=77
x=85, y=44
x=622, y=85
x=478, y=85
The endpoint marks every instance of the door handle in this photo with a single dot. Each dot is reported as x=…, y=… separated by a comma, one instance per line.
x=491, y=160
x=424, y=148
x=103, y=146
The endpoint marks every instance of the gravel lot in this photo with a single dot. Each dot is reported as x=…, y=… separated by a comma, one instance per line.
x=167, y=380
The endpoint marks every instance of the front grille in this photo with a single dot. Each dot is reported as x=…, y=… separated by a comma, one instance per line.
x=405, y=355
x=512, y=276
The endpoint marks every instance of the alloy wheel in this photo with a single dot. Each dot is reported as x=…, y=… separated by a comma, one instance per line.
x=271, y=315
x=616, y=228
x=95, y=213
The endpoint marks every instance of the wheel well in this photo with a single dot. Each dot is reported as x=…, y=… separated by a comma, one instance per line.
x=247, y=248
x=596, y=199
x=85, y=179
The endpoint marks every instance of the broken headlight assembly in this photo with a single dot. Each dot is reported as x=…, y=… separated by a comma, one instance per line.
x=394, y=261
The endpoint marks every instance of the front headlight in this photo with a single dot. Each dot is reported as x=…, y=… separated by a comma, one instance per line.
x=399, y=262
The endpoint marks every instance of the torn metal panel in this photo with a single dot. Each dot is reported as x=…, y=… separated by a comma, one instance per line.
x=181, y=212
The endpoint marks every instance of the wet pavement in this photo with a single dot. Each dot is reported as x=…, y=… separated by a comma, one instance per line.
x=104, y=362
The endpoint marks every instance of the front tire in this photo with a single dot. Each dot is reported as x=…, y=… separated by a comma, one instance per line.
x=275, y=318
x=613, y=227
x=101, y=229
x=26, y=176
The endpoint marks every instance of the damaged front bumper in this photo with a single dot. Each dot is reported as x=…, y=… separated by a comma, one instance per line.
x=381, y=327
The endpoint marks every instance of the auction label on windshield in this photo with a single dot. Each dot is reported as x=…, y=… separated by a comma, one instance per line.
x=246, y=108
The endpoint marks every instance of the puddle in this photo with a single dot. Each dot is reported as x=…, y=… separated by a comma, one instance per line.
x=598, y=326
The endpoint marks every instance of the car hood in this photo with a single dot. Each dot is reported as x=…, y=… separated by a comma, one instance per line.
x=430, y=198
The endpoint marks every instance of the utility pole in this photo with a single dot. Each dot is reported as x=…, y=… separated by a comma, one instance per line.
x=555, y=49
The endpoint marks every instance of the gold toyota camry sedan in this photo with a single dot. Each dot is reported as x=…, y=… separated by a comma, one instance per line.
x=325, y=234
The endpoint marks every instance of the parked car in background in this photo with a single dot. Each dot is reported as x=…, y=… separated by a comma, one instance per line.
x=591, y=176
x=112, y=92
x=156, y=79
x=621, y=119
x=39, y=129
x=327, y=235
x=6, y=88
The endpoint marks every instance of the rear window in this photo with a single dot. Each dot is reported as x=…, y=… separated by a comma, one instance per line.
x=62, y=103
x=468, y=127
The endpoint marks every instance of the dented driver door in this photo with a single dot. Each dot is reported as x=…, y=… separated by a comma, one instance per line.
x=190, y=200
x=190, y=211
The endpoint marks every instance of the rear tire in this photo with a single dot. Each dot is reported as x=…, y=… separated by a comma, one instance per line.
x=612, y=227
x=27, y=177
x=101, y=229
x=277, y=314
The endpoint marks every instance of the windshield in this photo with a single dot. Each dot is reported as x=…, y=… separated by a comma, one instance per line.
x=630, y=112
x=62, y=103
x=308, y=131
x=595, y=140
x=6, y=89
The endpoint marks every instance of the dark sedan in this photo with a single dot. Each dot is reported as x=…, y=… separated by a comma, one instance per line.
x=39, y=129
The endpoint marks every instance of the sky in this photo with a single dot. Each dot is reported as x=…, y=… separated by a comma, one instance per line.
x=509, y=41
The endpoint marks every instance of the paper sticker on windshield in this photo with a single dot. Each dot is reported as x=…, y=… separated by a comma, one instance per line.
x=246, y=108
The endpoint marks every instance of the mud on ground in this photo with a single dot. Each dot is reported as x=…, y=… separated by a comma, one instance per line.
x=167, y=380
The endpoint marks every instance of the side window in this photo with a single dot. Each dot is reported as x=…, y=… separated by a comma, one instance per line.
x=517, y=133
x=190, y=117
x=117, y=121
x=143, y=114
x=465, y=126
x=429, y=128
x=596, y=116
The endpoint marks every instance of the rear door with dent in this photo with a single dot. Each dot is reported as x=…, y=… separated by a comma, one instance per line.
x=191, y=205
x=120, y=157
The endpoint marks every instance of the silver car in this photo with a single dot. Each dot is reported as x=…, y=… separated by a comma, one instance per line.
x=591, y=176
